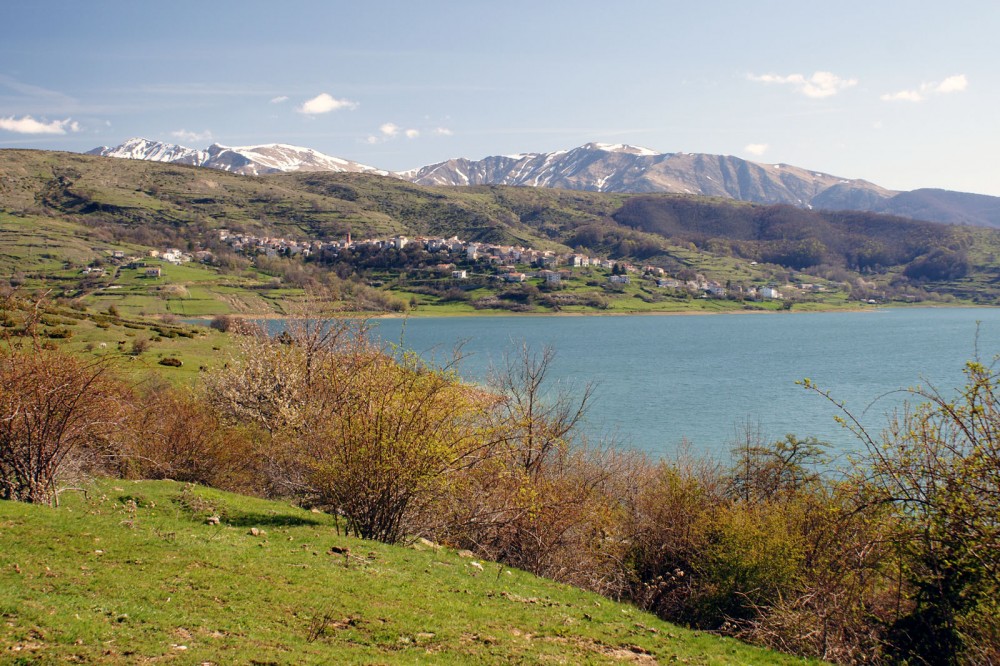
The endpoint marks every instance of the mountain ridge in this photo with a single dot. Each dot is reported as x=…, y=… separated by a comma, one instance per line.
x=254, y=160
x=603, y=167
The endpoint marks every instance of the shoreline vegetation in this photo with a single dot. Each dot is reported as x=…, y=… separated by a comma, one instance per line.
x=893, y=559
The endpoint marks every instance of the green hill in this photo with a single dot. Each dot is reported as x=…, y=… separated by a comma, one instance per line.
x=134, y=572
x=63, y=212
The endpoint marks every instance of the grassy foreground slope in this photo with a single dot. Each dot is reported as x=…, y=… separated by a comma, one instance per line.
x=134, y=573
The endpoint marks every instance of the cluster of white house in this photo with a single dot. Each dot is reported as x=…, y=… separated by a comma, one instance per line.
x=503, y=257
x=472, y=251
x=170, y=255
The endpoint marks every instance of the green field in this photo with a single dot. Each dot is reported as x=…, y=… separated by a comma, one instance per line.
x=130, y=572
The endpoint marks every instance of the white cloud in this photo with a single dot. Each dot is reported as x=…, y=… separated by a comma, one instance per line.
x=956, y=83
x=952, y=84
x=817, y=86
x=280, y=99
x=28, y=125
x=185, y=135
x=325, y=103
x=442, y=131
x=391, y=131
x=757, y=149
x=903, y=96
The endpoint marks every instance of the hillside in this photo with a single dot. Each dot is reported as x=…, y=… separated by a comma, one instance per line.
x=602, y=167
x=127, y=572
x=776, y=546
x=61, y=213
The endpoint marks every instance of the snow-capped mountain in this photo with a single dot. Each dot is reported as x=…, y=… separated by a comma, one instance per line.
x=598, y=167
x=154, y=151
x=624, y=168
x=247, y=160
x=606, y=167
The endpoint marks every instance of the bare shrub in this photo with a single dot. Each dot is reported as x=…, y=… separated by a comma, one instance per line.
x=847, y=587
x=389, y=434
x=224, y=323
x=537, y=497
x=57, y=413
x=174, y=434
x=667, y=531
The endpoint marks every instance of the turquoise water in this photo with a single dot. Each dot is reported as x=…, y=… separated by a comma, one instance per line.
x=660, y=380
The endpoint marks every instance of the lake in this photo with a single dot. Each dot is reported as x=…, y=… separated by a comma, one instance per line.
x=660, y=380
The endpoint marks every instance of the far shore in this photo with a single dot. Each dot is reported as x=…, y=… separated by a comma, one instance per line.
x=429, y=312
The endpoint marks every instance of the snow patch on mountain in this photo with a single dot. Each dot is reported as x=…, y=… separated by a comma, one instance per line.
x=247, y=160
x=601, y=167
x=154, y=151
x=607, y=167
x=621, y=148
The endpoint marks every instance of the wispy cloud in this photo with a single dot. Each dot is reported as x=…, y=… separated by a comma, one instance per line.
x=325, y=103
x=757, y=149
x=952, y=84
x=412, y=133
x=389, y=130
x=280, y=99
x=36, y=93
x=817, y=86
x=442, y=131
x=185, y=135
x=28, y=125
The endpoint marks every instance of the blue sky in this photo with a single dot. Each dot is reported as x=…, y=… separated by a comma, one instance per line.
x=905, y=94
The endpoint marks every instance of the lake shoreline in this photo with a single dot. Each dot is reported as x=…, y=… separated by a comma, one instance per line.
x=684, y=313
x=429, y=314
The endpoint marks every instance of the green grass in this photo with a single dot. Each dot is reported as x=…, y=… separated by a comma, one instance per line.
x=95, y=334
x=31, y=244
x=132, y=573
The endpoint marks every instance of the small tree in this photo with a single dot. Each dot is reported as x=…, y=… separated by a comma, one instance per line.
x=271, y=385
x=533, y=420
x=539, y=498
x=54, y=409
x=140, y=346
x=764, y=471
x=386, y=438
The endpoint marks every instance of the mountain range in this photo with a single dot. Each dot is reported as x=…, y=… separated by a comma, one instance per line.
x=605, y=167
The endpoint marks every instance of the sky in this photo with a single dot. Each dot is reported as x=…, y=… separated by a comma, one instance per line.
x=902, y=93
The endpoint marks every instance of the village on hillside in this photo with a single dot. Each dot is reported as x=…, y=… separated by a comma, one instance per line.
x=507, y=263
